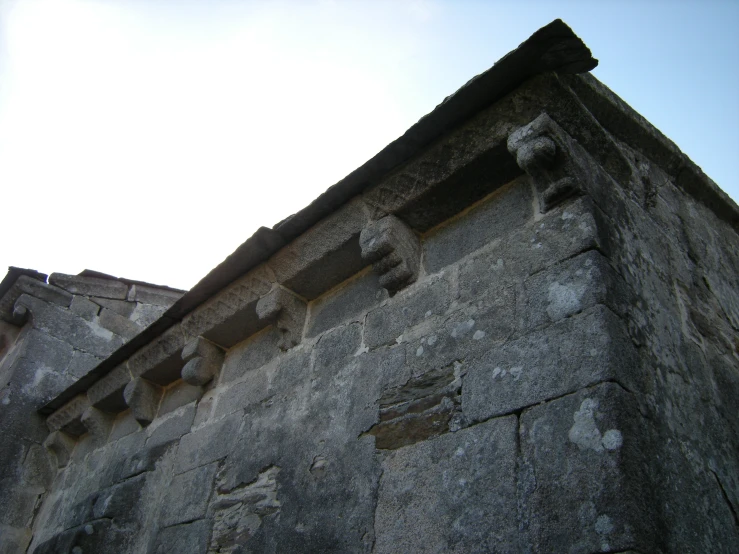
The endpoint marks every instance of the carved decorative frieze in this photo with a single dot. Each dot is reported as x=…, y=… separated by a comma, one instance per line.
x=98, y=423
x=67, y=418
x=394, y=251
x=143, y=398
x=203, y=360
x=545, y=151
x=287, y=311
x=61, y=445
x=167, y=345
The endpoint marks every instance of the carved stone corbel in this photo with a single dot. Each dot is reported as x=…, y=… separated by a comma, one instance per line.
x=544, y=150
x=61, y=445
x=287, y=311
x=394, y=251
x=202, y=359
x=143, y=398
x=97, y=423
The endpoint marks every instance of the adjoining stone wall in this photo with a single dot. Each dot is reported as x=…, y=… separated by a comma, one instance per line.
x=53, y=334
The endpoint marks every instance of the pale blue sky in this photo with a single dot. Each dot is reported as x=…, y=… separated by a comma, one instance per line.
x=148, y=139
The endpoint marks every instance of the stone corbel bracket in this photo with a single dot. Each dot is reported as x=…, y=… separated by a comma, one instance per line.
x=394, y=251
x=287, y=311
x=98, y=423
x=546, y=152
x=143, y=398
x=61, y=445
x=202, y=359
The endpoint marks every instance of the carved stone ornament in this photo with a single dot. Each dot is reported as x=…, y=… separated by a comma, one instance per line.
x=203, y=360
x=544, y=151
x=287, y=311
x=143, y=398
x=394, y=251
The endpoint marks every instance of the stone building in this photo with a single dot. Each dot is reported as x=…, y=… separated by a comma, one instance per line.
x=515, y=329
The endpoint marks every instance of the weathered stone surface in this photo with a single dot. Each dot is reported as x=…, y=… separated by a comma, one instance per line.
x=171, y=427
x=188, y=496
x=179, y=394
x=207, y=444
x=582, y=481
x=445, y=495
x=81, y=364
x=143, y=398
x=121, y=307
x=253, y=353
x=66, y=326
x=202, y=359
x=84, y=308
x=575, y=353
x=14, y=539
x=387, y=323
x=107, y=393
x=230, y=316
x=155, y=295
x=323, y=256
x=160, y=361
x=286, y=311
x=188, y=538
x=347, y=303
x=252, y=389
x=146, y=314
x=118, y=324
x=494, y=218
x=394, y=251
x=61, y=445
x=68, y=416
x=90, y=286
x=98, y=423
x=120, y=502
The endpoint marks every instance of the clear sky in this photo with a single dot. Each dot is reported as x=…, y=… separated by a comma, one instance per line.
x=149, y=138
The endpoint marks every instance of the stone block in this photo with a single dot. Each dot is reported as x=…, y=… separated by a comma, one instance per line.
x=84, y=308
x=61, y=445
x=253, y=353
x=122, y=501
x=425, y=299
x=505, y=211
x=90, y=286
x=28, y=285
x=177, y=395
x=323, y=256
x=582, y=481
x=252, y=389
x=560, y=234
x=188, y=495
x=230, y=316
x=454, y=493
x=68, y=327
x=466, y=332
x=38, y=469
x=118, y=324
x=143, y=398
x=188, y=538
x=574, y=353
x=202, y=360
x=286, y=311
x=337, y=345
x=208, y=443
x=107, y=393
x=81, y=364
x=14, y=539
x=124, y=425
x=160, y=361
x=394, y=251
x=98, y=423
x=146, y=314
x=68, y=417
x=171, y=427
x=570, y=287
x=121, y=307
x=157, y=296
x=348, y=302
